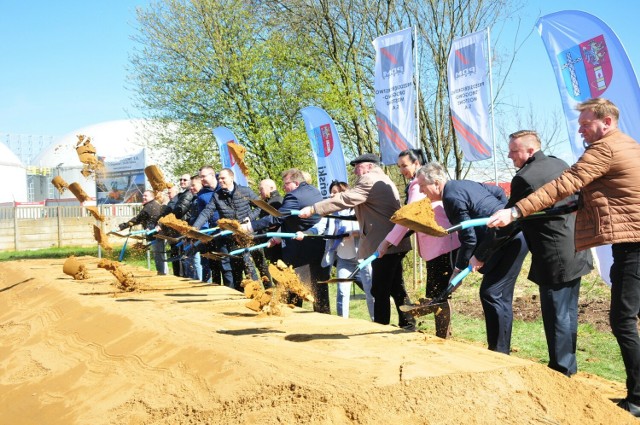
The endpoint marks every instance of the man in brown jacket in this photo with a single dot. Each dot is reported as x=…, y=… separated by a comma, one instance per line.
x=608, y=173
x=375, y=198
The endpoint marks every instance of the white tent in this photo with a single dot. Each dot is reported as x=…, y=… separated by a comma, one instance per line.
x=13, y=176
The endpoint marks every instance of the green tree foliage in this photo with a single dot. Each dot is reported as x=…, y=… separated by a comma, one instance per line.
x=252, y=66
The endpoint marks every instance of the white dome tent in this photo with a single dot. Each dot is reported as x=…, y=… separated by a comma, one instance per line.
x=14, y=177
x=112, y=139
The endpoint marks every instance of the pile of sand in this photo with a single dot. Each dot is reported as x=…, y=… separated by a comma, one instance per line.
x=75, y=352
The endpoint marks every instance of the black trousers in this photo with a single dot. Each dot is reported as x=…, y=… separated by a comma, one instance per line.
x=559, y=306
x=387, y=281
x=625, y=307
x=496, y=292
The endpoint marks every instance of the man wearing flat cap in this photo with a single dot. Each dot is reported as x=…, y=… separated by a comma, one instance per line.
x=375, y=198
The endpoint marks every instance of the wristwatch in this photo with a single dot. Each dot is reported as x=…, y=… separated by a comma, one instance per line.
x=515, y=213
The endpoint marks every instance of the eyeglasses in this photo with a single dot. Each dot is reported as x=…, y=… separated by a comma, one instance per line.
x=184, y=180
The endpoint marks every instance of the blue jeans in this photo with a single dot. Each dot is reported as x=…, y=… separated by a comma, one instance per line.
x=192, y=267
x=625, y=307
x=344, y=268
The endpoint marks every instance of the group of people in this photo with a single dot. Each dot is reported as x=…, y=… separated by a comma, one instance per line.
x=601, y=185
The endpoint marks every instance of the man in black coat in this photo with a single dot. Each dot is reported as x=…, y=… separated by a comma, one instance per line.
x=556, y=267
x=308, y=251
x=232, y=201
x=179, y=206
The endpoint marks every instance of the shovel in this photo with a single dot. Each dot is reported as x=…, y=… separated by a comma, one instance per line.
x=264, y=206
x=364, y=263
x=431, y=306
x=432, y=230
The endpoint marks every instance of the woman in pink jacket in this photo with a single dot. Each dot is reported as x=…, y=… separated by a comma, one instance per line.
x=437, y=252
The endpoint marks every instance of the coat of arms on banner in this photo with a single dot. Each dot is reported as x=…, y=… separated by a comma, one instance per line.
x=323, y=140
x=586, y=69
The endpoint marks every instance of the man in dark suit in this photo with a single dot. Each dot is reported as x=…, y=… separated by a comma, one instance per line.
x=556, y=267
x=305, y=252
x=463, y=200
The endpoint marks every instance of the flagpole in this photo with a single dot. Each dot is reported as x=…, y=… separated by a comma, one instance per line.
x=416, y=142
x=493, y=125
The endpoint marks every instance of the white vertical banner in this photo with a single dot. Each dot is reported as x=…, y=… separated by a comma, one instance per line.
x=326, y=146
x=395, y=94
x=224, y=136
x=469, y=95
x=589, y=61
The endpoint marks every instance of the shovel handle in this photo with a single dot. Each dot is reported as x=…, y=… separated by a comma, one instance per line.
x=250, y=248
x=469, y=223
x=364, y=263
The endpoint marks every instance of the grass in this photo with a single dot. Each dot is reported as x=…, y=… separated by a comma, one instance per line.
x=598, y=352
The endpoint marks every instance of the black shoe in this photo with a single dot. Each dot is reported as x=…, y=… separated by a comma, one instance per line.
x=632, y=408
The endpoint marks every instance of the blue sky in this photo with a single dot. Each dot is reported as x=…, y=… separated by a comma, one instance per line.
x=64, y=62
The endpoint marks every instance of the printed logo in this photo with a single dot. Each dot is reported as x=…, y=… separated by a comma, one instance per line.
x=464, y=63
x=392, y=60
x=586, y=69
x=324, y=140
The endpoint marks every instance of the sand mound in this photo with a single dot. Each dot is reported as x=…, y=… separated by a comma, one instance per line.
x=193, y=354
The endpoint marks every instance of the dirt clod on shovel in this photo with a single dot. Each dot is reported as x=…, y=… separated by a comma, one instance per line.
x=75, y=269
x=176, y=224
x=419, y=217
x=242, y=238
